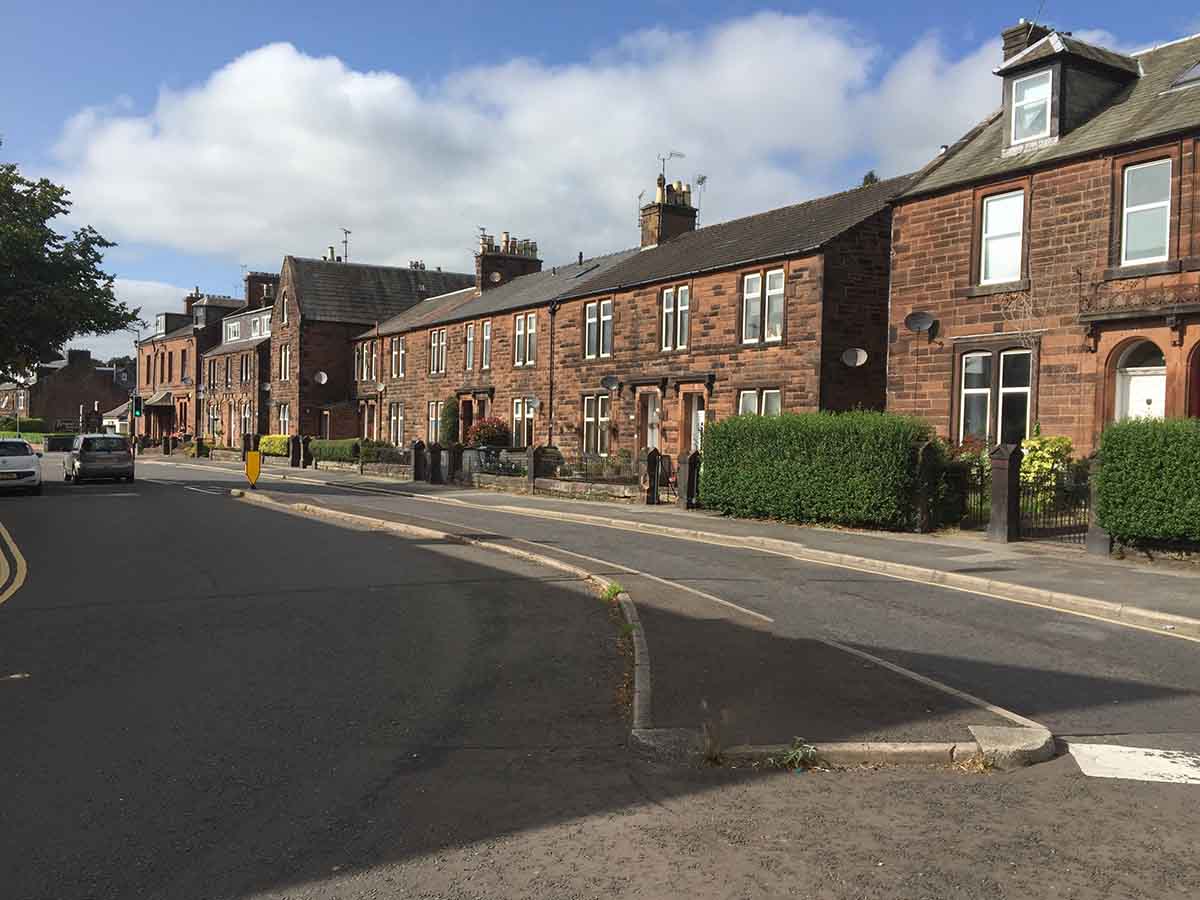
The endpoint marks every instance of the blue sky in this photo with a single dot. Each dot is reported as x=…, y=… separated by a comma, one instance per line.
x=211, y=136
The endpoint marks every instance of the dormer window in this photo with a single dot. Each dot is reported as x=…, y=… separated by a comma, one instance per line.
x=1031, y=107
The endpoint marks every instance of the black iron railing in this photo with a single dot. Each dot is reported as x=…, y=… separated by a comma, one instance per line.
x=615, y=468
x=1057, y=509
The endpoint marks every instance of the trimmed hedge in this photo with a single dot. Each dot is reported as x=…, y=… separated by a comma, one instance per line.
x=855, y=468
x=273, y=445
x=382, y=452
x=9, y=423
x=1149, y=483
x=344, y=450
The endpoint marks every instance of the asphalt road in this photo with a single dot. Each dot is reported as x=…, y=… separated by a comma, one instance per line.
x=1081, y=678
x=214, y=700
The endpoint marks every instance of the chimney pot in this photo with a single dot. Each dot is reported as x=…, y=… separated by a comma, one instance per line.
x=581, y=257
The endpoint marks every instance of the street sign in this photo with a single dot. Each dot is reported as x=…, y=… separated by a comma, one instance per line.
x=253, y=466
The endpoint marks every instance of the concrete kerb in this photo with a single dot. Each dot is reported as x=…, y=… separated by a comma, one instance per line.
x=672, y=741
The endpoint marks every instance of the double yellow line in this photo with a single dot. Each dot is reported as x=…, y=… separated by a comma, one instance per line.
x=12, y=576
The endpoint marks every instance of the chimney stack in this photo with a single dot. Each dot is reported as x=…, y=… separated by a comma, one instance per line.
x=670, y=215
x=1021, y=36
x=499, y=263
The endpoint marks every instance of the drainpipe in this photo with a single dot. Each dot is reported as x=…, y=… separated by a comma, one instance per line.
x=553, y=315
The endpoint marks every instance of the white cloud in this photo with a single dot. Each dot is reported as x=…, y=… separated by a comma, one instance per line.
x=278, y=149
x=152, y=297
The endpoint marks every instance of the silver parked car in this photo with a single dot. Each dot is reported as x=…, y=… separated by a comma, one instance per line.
x=98, y=456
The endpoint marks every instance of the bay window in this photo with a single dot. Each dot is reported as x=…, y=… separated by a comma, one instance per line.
x=995, y=396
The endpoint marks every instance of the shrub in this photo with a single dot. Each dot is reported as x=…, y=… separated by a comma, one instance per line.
x=273, y=444
x=345, y=450
x=448, y=427
x=489, y=432
x=856, y=468
x=1149, y=482
x=1044, y=460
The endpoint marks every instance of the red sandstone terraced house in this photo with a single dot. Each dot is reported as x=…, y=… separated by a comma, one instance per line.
x=322, y=305
x=785, y=310
x=1046, y=269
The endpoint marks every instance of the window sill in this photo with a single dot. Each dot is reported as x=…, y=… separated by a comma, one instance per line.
x=988, y=290
x=1167, y=267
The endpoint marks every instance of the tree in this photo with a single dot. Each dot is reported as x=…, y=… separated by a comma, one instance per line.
x=120, y=362
x=870, y=178
x=51, y=286
x=448, y=427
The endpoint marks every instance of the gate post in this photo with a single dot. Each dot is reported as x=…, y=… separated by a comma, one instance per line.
x=419, y=468
x=1098, y=540
x=294, y=451
x=306, y=457
x=434, y=452
x=532, y=458
x=1005, y=523
x=653, y=458
x=688, y=478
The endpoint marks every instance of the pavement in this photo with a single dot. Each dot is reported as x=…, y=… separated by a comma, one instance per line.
x=207, y=699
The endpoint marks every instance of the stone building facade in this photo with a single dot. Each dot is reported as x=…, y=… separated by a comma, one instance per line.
x=1046, y=269
x=71, y=392
x=784, y=311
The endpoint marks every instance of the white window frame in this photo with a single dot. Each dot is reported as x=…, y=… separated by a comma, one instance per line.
x=403, y=356
x=741, y=397
x=374, y=354
x=1027, y=390
x=233, y=331
x=963, y=391
x=283, y=311
x=433, y=349
x=530, y=338
x=256, y=327
x=285, y=418
x=469, y=353
x=442, y=352
x=285, y=362
x=984, y=237
x=668, y=318
x=394, y=356
x=606, y=315
x=591, y=330
x=762, y=401
x=683, y=315
x=1012, y=132
x=485, y=355
x=433, y=426
x=396, y=422
x=756, y=298
x=769, y=295
x=518, y=421
x=1126, y=209
x=519, y=340
x=597, y=409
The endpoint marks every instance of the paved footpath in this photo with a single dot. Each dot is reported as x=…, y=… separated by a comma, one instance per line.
x=743, y=635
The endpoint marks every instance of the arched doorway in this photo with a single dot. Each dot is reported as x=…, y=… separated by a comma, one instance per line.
x=1141, y=382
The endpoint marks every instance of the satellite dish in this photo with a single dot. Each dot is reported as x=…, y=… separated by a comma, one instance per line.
x=266, y=387
x=854, y=357
x=918, y=321
x=535, y=403
x=380, y=387
x=609, y=382
x=320, y=378
x=495, y=277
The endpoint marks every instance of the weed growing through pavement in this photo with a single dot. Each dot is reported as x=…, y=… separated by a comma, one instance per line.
x=612, y=592
x=800, y=755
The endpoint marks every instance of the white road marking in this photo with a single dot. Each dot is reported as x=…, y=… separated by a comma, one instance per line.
x=1136, y=763
x=188, y=487
x=16, y=676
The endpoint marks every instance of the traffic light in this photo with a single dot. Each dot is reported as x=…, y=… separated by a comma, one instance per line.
x=137, y=407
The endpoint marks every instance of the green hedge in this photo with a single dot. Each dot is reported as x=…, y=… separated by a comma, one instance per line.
x=1149, y=483
x=855, y=468
x=273, y=445
x=382, y=452
x=9, y=423
x=344, y=450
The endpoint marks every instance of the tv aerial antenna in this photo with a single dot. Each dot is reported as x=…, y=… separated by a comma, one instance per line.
x=345, y=244
x=666, y=158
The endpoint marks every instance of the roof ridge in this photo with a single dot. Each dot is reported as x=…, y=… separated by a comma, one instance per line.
x=1190, y=37
x=313, y=259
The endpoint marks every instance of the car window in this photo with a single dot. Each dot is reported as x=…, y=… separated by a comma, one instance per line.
x=15, y=448
x=104, y=444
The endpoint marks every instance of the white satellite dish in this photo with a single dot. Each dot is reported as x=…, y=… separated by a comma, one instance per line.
x=320, y=378
x=854, y=357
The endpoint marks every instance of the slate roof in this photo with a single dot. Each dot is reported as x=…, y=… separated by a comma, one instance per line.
x=181, y=331
x=770, y=235
x=1147, y=108
x=1055, y=44
x=242, y=344
x=119, y=413
x=363, y=294
x=536, y=289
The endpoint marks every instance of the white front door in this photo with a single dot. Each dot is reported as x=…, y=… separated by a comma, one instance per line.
x=697, y=423
x=1142, y=393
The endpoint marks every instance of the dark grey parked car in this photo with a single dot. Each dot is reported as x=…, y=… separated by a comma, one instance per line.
x=98, y=456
